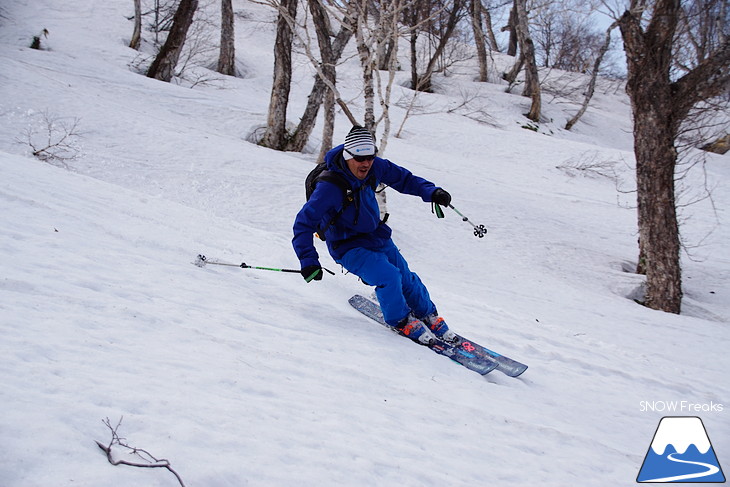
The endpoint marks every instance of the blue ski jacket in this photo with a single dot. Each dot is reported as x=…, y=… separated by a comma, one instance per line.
x=359, y=225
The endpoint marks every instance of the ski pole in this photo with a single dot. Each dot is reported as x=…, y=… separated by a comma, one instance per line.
x=202, y=260
x=479, y=230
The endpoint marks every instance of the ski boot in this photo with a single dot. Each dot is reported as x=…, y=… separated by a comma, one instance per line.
x=416, y=330
x=438, y=326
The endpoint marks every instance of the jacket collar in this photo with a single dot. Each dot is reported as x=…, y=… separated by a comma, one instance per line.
x=336, y=162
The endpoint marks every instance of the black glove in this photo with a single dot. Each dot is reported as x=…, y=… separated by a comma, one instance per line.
x=441, y=197
x=312, y=273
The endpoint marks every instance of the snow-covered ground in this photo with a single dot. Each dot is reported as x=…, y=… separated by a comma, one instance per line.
x=247, y=377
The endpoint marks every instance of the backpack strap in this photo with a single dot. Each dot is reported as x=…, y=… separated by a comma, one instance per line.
x=349, y=196
x=336, y=179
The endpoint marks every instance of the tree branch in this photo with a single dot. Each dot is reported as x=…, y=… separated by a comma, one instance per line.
x=146, y=460
x=707, y=80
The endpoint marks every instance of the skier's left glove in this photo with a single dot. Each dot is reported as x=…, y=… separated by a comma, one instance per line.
x=441, y=197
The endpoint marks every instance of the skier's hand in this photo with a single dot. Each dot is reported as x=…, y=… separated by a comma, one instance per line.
x=441, y=197
x=312, y=273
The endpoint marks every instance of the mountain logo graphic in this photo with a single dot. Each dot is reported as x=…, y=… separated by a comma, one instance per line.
x=681, y=452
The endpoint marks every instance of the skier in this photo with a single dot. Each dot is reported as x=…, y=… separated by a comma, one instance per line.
x=359, y=241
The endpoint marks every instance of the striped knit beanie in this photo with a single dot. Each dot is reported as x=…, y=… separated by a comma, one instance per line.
x=359, y=142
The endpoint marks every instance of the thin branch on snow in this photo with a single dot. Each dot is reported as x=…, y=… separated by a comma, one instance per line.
x=55, y=142
x=143, y=458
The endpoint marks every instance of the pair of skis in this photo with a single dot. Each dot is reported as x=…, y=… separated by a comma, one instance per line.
x=463, y=351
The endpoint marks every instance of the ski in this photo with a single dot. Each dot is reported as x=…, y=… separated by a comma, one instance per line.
x=463, y=347
x=460, y=352
x=506, y=365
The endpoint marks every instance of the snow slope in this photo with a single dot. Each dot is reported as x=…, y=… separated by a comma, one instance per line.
x=244, y=377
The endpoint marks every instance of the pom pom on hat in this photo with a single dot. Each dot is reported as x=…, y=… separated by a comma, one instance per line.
x=360, y=142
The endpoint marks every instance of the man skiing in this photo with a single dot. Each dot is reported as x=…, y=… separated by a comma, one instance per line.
x=359, y=241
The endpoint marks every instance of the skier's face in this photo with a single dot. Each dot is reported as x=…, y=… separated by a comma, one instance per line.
x=360, y=169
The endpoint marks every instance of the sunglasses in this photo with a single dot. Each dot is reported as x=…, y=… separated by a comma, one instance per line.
x=362, y=158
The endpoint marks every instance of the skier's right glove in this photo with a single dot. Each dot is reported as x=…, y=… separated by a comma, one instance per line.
x=441, y=197
x=312, y=273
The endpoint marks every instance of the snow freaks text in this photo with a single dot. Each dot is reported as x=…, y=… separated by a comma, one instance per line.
x=680, y=407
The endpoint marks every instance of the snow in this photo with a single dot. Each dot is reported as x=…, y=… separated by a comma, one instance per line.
x=248, y=377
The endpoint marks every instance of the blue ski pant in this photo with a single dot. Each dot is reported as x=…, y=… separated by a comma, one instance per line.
x=399, y=290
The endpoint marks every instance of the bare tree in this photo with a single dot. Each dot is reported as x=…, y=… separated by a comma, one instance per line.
x=438, y=19
x=320, y=89
x=412, y=18
x=388, y=33
x=276, y=136
x=661, y=97
x=475, y=9
x=363, y=41
x=162, y=12
x=329, y=61
x=511, y=75
x=594, y=75
x=163, y=67
x=512, y=28
x=491, y=38
x=445, y=19
x=565, y=36
x=137, y=33
x=227, y=55
x=54, y=140
x=527, y=46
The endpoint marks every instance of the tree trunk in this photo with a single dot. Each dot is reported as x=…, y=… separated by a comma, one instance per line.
x=511, y=76
x=368, y=65
x=316, y=96
x=656, y=159
x=163, y=67
x=324, y=32
x=649, y=59
x=512, y=27
x=329, y=124
x=413, y=44
x=592, y=84
x=532, y=80
x=424, y=81
x=411, y=17
x=390, y=24
x=493, y=45
x=227, y=55
x=386, y=51
x=137, y=34
x=659, y=107
x=479, y=38
x=275, y=136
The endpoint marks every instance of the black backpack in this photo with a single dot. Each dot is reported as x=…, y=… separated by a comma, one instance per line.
x=321, y=173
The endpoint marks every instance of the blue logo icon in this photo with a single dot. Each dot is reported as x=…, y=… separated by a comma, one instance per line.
x=681, y=452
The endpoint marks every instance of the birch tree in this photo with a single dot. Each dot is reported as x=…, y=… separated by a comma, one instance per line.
x=475, y=10
x=137, y=33
x=324, y=90
x=275, y=136
x=227, y=54
x=527, y=46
